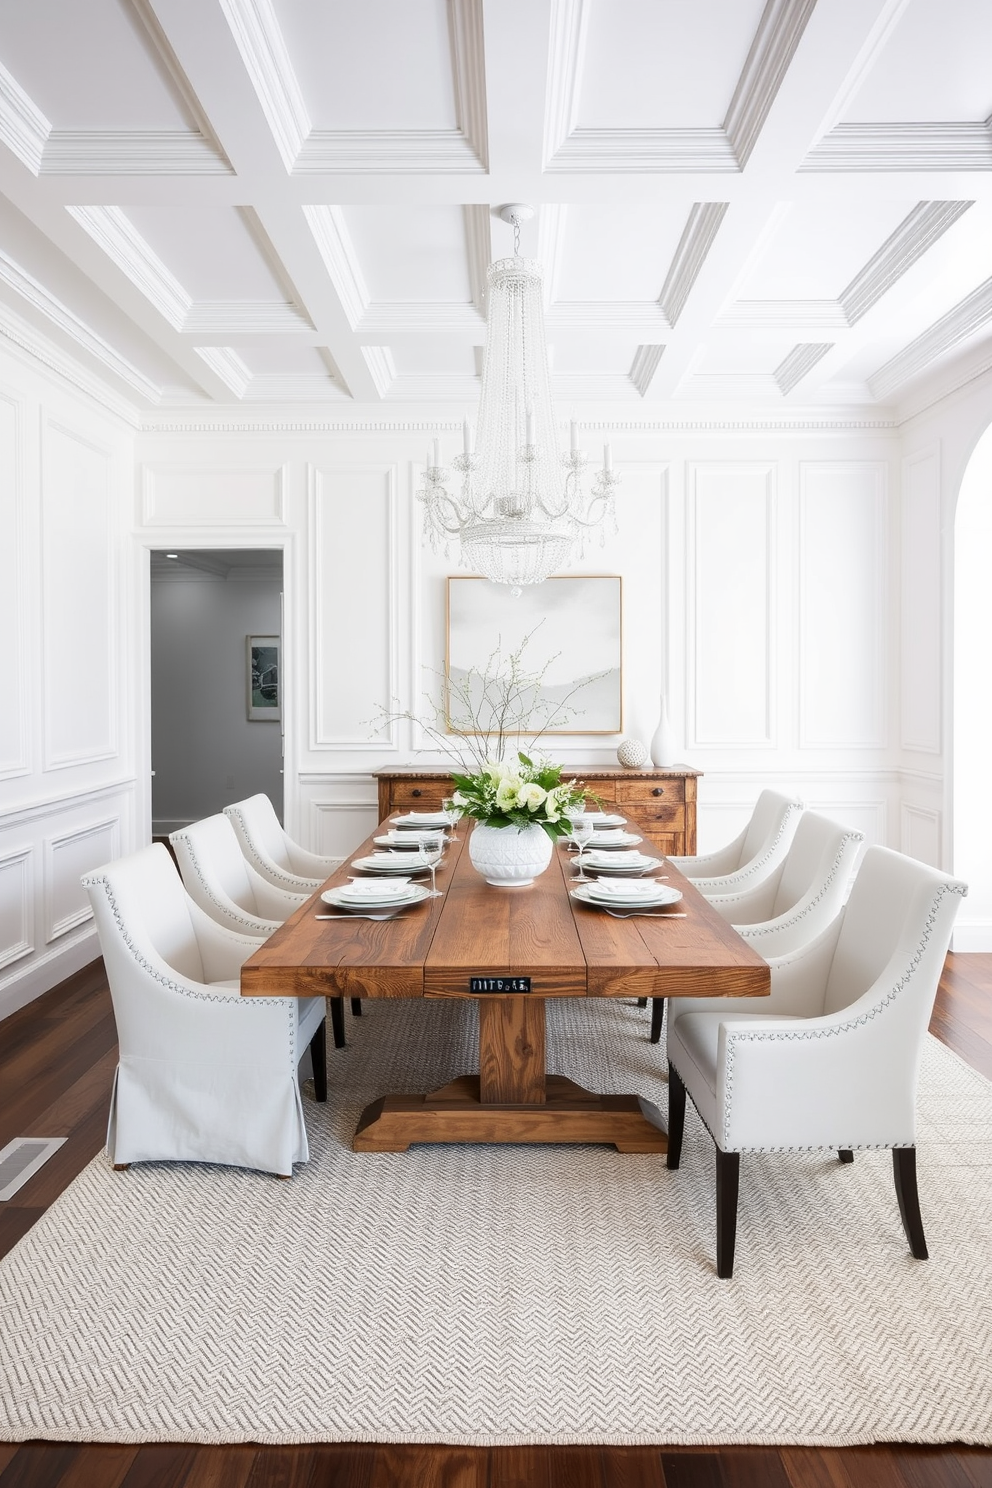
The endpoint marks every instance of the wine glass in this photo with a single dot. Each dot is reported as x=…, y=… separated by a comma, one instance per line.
x=431, y=858
x=582, y=834
x=452, y=814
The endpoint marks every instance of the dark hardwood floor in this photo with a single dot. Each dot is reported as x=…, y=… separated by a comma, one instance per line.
x=56, y=1061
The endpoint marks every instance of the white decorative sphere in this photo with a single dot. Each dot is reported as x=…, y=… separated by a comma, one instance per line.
x=632, y=754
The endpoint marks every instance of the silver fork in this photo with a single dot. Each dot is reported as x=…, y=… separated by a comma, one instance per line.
x=644, y=914
x=391, y=914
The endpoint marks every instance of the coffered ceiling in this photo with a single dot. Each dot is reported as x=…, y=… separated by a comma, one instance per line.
x=744, y=202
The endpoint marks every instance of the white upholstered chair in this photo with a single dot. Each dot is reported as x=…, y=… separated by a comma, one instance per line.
x=753, y=855
x=204, y=1075
x=792, y=905
x=274, y=855
x=831, y=1059
x=222, y=882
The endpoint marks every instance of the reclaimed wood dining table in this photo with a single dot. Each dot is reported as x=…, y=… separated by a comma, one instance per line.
x=509, y=950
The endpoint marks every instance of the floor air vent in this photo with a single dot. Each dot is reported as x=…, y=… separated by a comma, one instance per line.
x=22, y=1158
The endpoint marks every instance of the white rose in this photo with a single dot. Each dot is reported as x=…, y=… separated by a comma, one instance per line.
x=508, y=794
x=532, y=796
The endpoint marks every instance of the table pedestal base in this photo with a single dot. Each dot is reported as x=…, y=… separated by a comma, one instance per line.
x=455, y=1113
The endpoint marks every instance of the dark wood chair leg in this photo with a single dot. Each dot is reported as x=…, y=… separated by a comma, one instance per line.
x=904, y=1172
x=728, y=1169
x=642, y=1002
x=318, y=1053
x=845, y=1154
x=336, y=1005
x=356, y=1007
x=121, y=1167
x=657, y=1018
x=676, y=1116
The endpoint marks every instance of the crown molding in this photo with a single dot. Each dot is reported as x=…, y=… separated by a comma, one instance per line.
x=23, y=127
x=330, y=233
x=918, y=232
x=645, y=317
x=468, y=66
x=644, y=152
x=778, y=35
x=131, y=152
x=420, y=315
x=972, y=314
x=36, y=349
x=241, y=317
x=263, y=51
x=966, y=370
x=387, y=152
x=784, y=315
x=60, y=316
x=644, y=366
x=701, y=228
x=800, y=360
x=116, y=235
x=228, y=366
x=903, y=147
x=379, y=360
x=479, y=248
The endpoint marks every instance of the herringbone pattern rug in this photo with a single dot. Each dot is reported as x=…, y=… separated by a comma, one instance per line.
x=509, y=1295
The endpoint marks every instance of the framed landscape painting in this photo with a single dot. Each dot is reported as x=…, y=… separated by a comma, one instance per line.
x=573, y=627
x=264, y=690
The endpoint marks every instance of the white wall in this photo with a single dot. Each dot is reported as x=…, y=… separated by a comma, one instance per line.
x=760, y=586
x=67, y=752
x=205, y=751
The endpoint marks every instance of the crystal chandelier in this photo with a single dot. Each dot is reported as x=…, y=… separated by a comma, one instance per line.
x=521, y=513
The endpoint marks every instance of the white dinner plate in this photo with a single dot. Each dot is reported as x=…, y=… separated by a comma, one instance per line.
x=410, y=840
x=595, y=894
x=616, y=865
x=390, y=862
x=611, y=840
x=345, y=898
x=414, y=819
x=599, y=820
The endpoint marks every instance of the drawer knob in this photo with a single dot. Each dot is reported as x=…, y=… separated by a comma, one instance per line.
x=659, y=790
x=416, y=791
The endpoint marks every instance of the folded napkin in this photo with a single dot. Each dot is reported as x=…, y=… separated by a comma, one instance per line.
x=640, y=888
x=375, y=887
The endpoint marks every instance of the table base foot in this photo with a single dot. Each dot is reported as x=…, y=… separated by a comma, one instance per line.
x=454, y=1113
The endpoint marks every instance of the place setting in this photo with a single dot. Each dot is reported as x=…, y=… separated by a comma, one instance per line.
x=625, y=863
x=646, y=898
x=374, y=898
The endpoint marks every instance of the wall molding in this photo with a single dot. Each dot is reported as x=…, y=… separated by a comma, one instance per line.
x=54, y=805
x=36, y=352
x=17, y=638
x=151, y=499
x=47, y=969
x=22, y=858
x=110, y=827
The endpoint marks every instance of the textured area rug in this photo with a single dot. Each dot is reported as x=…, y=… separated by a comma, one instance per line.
x=510, y=1295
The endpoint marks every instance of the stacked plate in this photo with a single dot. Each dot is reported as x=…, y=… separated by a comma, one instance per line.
x=641, y=894
x=415, y=820
x=390, y=862
x=611, y=838
x=411, y=839
x=371, y=893
x=625, y=862
x=598, y=820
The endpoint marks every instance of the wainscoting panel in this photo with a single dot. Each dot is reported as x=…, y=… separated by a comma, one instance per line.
x=66, y=858
x=16, y=914
x=79, y=586
x=185, y=496
x=730, y=604
x=921, y=833
x=353, y=611
x=842, y=605
x=337, y=827
x=921, y=670
x=13, y=595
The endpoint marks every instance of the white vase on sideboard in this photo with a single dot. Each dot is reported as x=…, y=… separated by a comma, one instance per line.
x=664, y=745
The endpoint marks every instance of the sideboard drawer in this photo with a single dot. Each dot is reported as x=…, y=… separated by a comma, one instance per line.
x=419, y=795
x=650, y=791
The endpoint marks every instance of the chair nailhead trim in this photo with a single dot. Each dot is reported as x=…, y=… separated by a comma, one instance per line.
x=750, y=932
x=264, y=865
x=182, y=988
x=745, y=873
x=808, y=1034
x=250, y=922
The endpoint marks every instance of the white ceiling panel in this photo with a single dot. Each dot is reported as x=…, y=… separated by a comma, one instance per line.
x=380, y=64
x=440, y=356
x=663, y=64
x=934, y=66
x=411, y=253
x=211, y=251
x=89, y=66
x=618, y=252
x=814, y=251
x=286, y=358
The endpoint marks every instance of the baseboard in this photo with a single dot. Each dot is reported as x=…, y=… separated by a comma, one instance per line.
x=46, y=971
x=972, y=935
x=166, y=825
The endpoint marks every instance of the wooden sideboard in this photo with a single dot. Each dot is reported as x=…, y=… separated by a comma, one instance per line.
x=659, y=804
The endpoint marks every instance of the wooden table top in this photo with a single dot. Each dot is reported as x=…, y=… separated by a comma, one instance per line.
x=566, y=948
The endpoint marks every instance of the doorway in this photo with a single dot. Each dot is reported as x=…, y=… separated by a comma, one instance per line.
x=216, y=681
x=972, y=802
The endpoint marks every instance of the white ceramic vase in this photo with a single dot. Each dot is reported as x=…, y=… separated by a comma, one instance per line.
x=509, y=857
x=664, y=746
